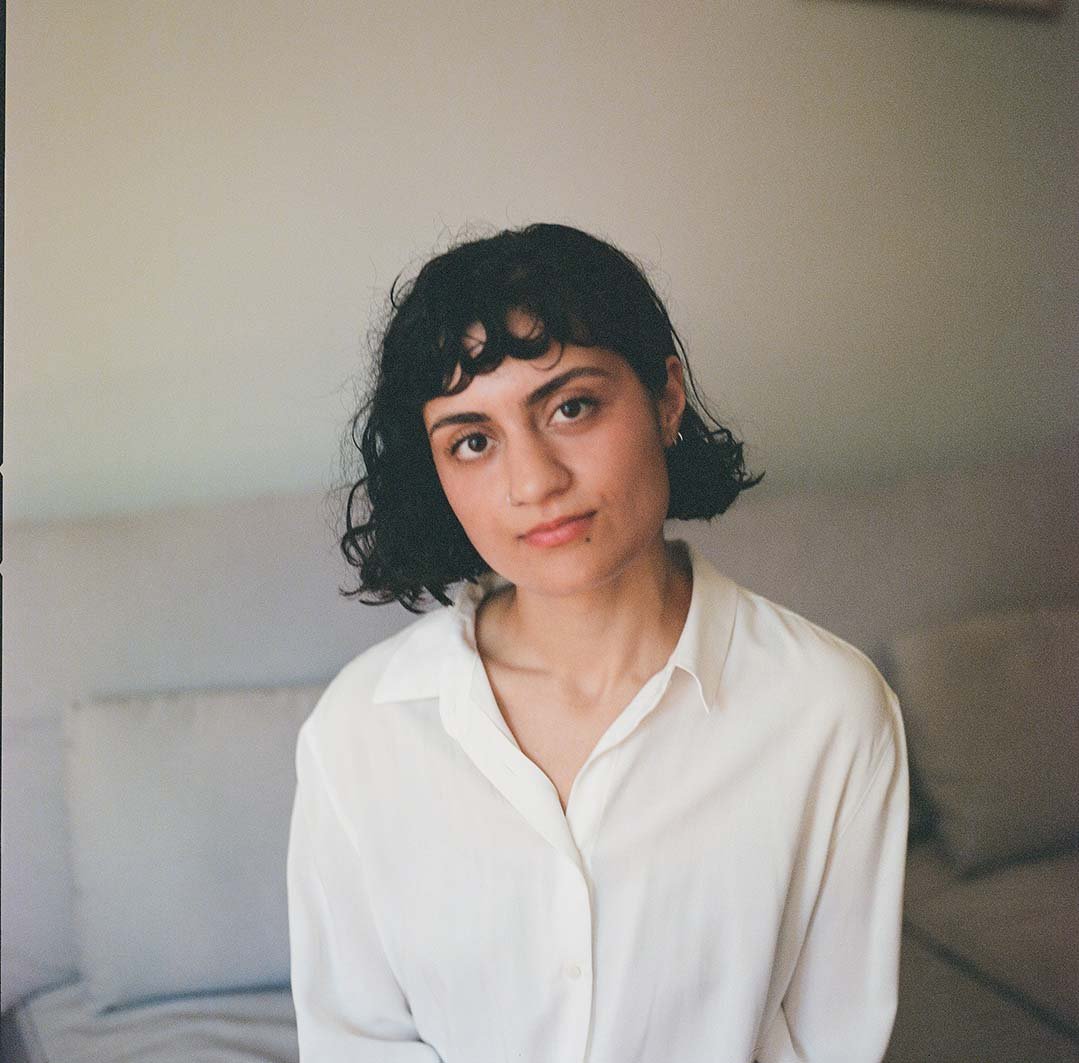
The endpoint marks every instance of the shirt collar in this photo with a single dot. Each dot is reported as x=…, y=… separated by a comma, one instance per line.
x=445, y=638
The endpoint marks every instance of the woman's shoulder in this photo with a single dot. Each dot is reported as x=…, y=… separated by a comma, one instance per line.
x=404, y=663
x=817, y=667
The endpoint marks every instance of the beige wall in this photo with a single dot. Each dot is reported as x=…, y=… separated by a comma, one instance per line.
x=864, y=214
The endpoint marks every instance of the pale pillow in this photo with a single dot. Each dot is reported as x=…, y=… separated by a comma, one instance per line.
x=991, y=706
x=179, y=811
x=37, y=943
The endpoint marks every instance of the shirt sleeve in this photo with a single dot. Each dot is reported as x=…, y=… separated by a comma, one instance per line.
x=840, y=1004
x=349, y=1006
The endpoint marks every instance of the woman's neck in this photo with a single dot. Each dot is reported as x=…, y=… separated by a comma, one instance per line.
x=594, y=644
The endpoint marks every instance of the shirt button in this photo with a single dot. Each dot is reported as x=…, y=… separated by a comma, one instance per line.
x=573, y=970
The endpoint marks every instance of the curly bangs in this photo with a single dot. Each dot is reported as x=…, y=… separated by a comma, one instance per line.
x=576, y=289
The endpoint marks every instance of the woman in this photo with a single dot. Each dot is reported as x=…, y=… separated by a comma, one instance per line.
x=608, y=805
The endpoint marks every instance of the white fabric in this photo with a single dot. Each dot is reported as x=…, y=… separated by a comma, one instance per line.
x=724, y=885
x=179, y=807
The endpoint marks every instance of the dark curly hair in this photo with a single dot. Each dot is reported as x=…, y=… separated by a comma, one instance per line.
x=580, y=290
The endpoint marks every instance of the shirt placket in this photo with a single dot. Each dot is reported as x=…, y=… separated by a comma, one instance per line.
x=485, y=738
x=473, y=717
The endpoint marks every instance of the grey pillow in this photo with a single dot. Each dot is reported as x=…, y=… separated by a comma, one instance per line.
x=179, y=812
x=991, y=707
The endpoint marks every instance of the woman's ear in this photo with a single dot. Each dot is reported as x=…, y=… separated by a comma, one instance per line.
x=672, y=400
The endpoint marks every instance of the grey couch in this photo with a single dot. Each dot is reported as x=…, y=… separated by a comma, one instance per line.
x=990, y=954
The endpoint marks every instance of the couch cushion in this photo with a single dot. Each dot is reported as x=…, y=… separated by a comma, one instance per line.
x=179, y=809
x=947, y=1016
x=37, y=945
x=62, y=1025
x=1017, y=926
x=991, y=708
x=928, y=872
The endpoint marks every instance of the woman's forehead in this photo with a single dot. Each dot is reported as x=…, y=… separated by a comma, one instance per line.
x=520, y=323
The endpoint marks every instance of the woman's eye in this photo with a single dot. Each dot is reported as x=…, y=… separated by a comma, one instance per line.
x=462, y=448
x=572, y=407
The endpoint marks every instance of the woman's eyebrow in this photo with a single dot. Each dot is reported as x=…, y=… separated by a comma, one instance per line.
x=536, y=397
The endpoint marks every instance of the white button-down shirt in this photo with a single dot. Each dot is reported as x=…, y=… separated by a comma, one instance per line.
x=725, y=884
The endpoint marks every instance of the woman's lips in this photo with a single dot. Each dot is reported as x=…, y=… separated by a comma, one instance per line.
x=571, y=529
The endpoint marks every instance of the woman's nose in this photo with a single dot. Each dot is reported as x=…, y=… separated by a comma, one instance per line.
x=533, y=471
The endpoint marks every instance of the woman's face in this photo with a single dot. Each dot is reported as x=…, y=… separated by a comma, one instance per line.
x=573, y=433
